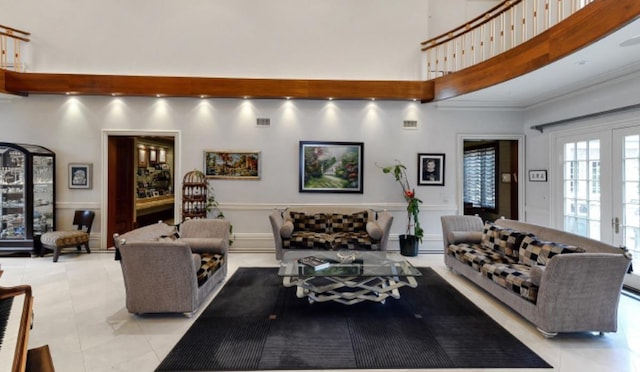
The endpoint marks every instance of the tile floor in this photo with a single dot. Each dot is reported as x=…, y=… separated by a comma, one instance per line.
x=79, y=311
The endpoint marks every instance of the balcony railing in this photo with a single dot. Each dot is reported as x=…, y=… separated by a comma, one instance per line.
x=10, y=43
x=508, y=24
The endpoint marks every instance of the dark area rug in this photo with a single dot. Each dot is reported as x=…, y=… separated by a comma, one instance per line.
x=255, y=323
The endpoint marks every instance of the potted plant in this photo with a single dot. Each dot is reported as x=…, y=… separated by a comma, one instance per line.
x=409, y=243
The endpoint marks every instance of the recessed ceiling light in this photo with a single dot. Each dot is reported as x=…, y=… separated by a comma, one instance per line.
x=631, y=41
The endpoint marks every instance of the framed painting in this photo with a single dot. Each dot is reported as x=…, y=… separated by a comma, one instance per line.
x=153, y=156
x=162, y=155
x=80, y=175
x=431, y=169
x=142, y=157
x=331, y=167
x=228, y=164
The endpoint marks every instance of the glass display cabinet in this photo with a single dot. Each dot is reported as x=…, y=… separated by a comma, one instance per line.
x=27, y=194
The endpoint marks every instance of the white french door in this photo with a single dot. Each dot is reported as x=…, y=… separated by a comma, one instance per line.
x=586, y=184
x=626, y=195
x=600, y=190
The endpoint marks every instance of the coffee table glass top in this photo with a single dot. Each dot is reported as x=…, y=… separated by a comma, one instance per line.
x=347, y=263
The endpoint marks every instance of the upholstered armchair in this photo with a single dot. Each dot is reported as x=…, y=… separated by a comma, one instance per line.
x=170, y=271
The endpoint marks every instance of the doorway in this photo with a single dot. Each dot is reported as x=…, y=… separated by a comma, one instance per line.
x=124, y=168
x=599, y=196
x=490, y=170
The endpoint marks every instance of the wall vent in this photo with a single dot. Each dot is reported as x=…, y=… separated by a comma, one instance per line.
x=410, y=124
x=263, y=122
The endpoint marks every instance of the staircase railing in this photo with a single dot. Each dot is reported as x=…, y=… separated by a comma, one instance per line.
x=508, y=24
x=10, y=42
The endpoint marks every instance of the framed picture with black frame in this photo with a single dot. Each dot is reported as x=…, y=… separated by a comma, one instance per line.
x=80, y=175
x=431, y=169
x=331, y=167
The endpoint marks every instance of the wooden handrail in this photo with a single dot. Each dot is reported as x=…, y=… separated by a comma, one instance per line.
x=15, y=36
x=15, y=30
x=485, y=17
x=501, y=28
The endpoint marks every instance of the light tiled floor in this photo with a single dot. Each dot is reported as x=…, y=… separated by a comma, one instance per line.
x=79, y=311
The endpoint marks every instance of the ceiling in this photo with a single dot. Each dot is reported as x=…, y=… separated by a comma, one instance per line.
x=595, y=64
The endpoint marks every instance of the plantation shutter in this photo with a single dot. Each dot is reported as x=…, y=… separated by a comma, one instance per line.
x=480, y=176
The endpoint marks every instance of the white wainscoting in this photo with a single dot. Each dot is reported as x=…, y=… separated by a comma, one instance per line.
x=252, y=230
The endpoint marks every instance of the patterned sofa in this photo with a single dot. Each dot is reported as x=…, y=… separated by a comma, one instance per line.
x=330, y=228
x=558, y=281
x=166, y=271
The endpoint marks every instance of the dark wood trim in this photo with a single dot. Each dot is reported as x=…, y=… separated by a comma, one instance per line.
x=46, y=83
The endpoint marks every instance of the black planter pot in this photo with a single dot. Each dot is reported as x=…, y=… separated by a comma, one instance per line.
x=408, y=245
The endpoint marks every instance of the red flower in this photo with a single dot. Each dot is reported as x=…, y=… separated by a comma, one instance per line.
x=409, y=194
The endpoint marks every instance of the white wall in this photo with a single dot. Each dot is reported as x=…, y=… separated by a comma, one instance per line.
x=614, y=94
x=72, y=127
x=332, y=39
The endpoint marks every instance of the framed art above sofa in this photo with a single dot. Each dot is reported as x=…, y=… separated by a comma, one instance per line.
x=331, y=167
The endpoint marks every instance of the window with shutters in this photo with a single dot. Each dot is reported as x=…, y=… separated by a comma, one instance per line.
x=480, y=176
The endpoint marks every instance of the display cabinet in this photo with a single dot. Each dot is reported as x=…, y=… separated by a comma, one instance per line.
x=27, y=194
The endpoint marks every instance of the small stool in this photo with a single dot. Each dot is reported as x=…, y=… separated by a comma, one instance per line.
x=56, y=240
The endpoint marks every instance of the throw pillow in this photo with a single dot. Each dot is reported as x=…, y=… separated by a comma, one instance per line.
x=313, y=223
x=472, y=237
x=286, y=229
x=375, y=232
x=529, y=251
x=493, y=237
x=535, y=252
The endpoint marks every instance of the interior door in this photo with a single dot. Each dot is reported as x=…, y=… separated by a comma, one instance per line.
x=120, y=203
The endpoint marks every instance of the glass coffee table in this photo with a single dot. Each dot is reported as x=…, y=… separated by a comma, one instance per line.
x=350, y=278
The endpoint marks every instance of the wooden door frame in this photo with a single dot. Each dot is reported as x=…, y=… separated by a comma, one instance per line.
x=498, y=137
x=177, y=148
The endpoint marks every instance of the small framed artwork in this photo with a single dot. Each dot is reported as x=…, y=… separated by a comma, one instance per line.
x=331, y=167
x=162, y=155
x=142, y=157
x=538, y=176
x=243, y=165
x=80, y=175
x=153, y=156
x=431, y=169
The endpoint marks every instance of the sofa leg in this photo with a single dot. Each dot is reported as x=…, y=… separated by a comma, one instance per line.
x=547, y=334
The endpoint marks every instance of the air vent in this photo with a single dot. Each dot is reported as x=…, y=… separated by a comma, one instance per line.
x=263, y=122
x=410, y=124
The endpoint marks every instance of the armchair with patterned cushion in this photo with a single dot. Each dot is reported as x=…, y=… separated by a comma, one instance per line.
x=171, y=271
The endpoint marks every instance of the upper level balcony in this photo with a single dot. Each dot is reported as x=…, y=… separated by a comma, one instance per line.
x=509, y=42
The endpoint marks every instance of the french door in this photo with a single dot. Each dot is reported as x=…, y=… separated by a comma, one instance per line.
x=600, y=188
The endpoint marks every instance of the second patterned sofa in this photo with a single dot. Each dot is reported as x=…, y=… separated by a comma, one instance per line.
x=560, y=282
x=330, y=228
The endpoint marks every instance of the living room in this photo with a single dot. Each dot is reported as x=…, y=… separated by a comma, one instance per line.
x=332, y=40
